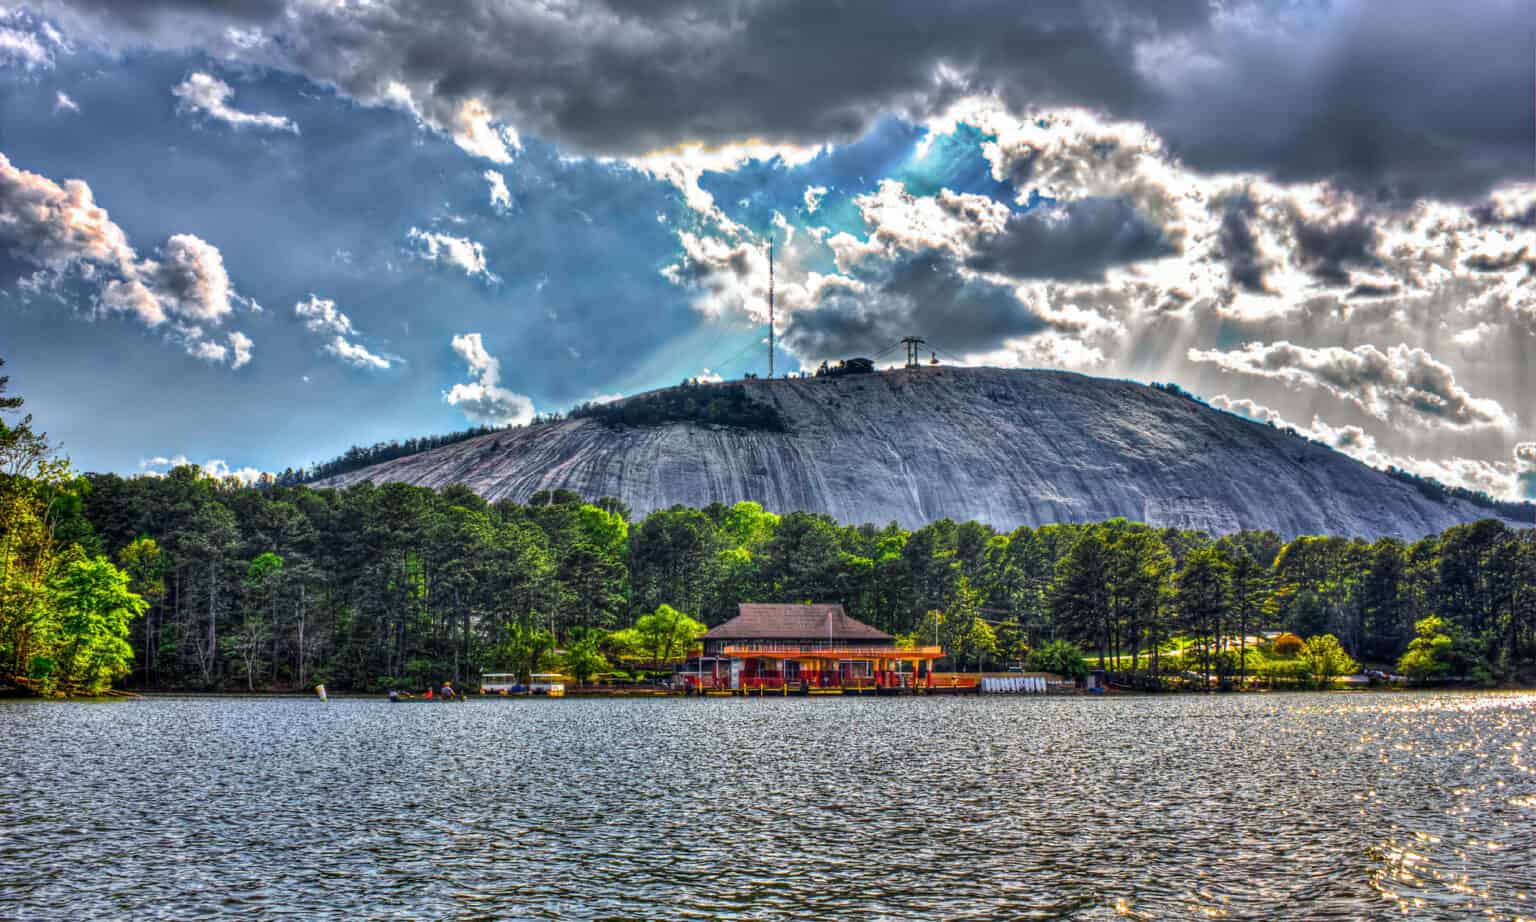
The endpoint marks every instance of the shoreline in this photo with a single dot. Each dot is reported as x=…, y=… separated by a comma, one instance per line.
x=123, y=695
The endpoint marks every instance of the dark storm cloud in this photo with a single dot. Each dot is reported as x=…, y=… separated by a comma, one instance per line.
x=1239, y=248
x=1328, y=251
x=626, y=77
x=1502, y=262
x=1078, y=240
x=1496, y=213
x=923, y=294
x=1372, y=290
x=1397, y=101
x=1413, y=99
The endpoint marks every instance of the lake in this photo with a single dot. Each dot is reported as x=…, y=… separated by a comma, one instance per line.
x=1321, y=806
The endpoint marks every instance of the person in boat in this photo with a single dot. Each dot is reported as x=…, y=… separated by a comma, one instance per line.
x=429, y=693
x=394, y=696
x=447, y=692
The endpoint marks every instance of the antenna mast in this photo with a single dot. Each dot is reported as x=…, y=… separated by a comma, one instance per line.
x=770, y=305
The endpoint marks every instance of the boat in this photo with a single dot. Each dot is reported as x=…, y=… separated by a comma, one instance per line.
x=551, y=684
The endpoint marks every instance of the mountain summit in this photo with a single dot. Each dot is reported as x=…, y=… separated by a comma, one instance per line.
x=1000, y=446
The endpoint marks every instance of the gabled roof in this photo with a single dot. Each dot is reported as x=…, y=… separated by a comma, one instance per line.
x=795, y=622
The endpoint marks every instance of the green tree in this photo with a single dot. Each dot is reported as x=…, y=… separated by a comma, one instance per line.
x=1081, y=601
x=144, y=563
x=1204, y=599
x=1062, y=657
x=527, y=650
x=95, y=610
x=667, y=635
x=583, y=657
x=1429, y=652
x=1326, y=660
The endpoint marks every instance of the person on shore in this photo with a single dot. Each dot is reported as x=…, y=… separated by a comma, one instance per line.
x=429, y=693
x=320, y=692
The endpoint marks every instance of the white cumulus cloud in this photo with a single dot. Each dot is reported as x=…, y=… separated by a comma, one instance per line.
x=213, y=469
x=355, y=355
x=501, y=197
x=484, y=400
x=459, y=252
x=240, y=348
x=321, y=317
x=474, y=132
x=206, y=95
x=183, y=288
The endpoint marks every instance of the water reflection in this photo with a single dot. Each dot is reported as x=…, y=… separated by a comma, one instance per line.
x=1340, y=806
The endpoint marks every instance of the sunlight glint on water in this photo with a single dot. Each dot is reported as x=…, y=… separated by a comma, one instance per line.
x=1322, y=806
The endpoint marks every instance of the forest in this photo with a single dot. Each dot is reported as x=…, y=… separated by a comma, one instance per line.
x=186, y=582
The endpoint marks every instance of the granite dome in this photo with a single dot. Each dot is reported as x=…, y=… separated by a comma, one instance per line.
x=1001, y=446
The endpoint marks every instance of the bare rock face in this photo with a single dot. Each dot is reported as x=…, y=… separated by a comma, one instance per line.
x=1004, y=447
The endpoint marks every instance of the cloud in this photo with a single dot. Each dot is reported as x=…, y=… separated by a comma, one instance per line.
x=1238, y=247
x=321, y=317
x=1078, y=240
x=1425, y=102
x=57, y=226
x=213, y=469
x=354, y=354
x=1428, y=101
x=813, y=197
x=922, y=292
x=474, y=133
x=28, y=43
x=950, y=267
x=240, y=347
x=208, y=351
x=208, y=96
x=63, y=103
x=1329, y=250
x=1401, y=383
x=183, y=288
x=1496, y=478
x=190, y=279
x=458, y=252
x=484, y=400
x=501, y=198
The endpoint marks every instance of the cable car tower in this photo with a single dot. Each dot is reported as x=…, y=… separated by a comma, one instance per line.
x=912, y=343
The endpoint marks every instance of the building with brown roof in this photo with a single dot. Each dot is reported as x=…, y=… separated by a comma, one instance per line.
x=804, y=648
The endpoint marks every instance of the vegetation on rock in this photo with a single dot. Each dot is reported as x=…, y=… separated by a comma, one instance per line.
x=713, y=404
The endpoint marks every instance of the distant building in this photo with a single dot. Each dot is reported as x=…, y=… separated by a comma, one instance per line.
x=801, y=648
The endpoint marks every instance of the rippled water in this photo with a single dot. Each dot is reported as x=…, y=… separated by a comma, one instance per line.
x=1294, y=806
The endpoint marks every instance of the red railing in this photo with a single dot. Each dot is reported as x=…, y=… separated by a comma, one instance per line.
x=747, y=651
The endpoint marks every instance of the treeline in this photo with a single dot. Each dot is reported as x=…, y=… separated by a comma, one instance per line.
x=358, y=457
x=1510, y=509
x=219, y=585
x=692, y=402
x=394, y=584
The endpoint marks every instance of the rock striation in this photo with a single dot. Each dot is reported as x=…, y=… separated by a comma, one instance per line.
x=1001, y=446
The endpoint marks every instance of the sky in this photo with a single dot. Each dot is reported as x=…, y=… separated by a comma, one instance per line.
x=252, y=233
